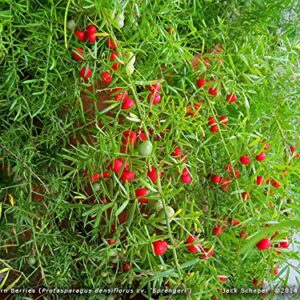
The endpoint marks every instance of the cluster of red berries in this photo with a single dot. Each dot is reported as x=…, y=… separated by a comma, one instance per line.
x=154, y=96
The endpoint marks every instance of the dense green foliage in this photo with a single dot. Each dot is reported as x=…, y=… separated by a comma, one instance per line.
x=40, y=109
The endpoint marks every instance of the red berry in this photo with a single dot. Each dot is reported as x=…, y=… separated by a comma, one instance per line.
x=245, y=160
x=85, y=73
x=284, y=244
x=243, y=234
x=160, y=247
x=129, y=137
x=140, y=193
x=215, y=178
x=116, y=66
x=259, y=180
x=256, y=283
x=111, y=44
x=96, y=177
x=276, y=184
x=154, y=98
x=128, y=103
x=113, y=56
x=225, y=182
x=117, y=165
x=234, y=222
x=120, y=96
x=276, y=271
x=263, y=244
x=267, y=147
x=142, y=136
x=213, y=91
x=193, y=248
x=106, y=174
x=228, y=168
x=224, y=120
x=212, y=121
x=127, y=267
x=201, y=82
x=292, y=149
x=91, y=37
x=261, y=156
x=231, y=98
x=127, y=175
x=186, y=179
x=111, y=242
x=80, y=35
x=218, y=230
x=106, y=77
x=214, y=128
x=222, y=278
x=91, y=28
x=152, y=174
x=208, y=252
x=154, y=88
x=246, y=196
x=237, y=174
x=78, y=54
x=176, y=152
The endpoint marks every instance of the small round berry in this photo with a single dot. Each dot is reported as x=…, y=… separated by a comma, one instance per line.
x=213, y=91
x=231, y=98
x=261, y=156
x=78, y=54
x=85, y=72
x=263, y=244
x=245, y=160
x=80, y=35
x=106, y=77
x=201, y=82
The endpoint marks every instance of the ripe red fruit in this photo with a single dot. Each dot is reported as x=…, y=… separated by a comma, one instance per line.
x=245, y=160
x=231, y=98
x=284, y=244
x=234, y=222
x=154, y=88
x=117, y=165
x=276, y=184
x=215, y=298
x=129, y=137
x=127, y=175
x=208, y=252
x=228, y=168
x=91, y=28
x=111, y=44
x=263, y=244
x=223, y=278
x=215, y=178
x=111, y=242
x=185, y=176
x=106, y=174
x=176, y=152
x=116, y=66
x=85, y=73
x=267, y=147
x=225, y=182
x=246, y=196
x=160, y=247
x=96, y=177
x=212, y=121
x=224, y=120
x=127, y=267
x=106, y=77
x=91, y=37
x=201, y=82
x=140, y=193
x=154, y=98
x=193, y=248
x=213, y=91
x=78, y=54
x=214, y=128
x=259, y=180
x=276, y=271
x=218, y=230
x=243, y=234
x=120, y=96
x=152, y=174
x=80, y=35
x=292, y=149
x=237, y=174
x=256, y=283
x=142, y=135
x=128, y=103
x=261, y=156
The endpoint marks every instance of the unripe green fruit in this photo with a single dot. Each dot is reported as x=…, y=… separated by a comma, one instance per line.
x=170, y=213
x=71, y=25
x=155, y=205
x=96, y=187
x=145, y=148
x=31, y=260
